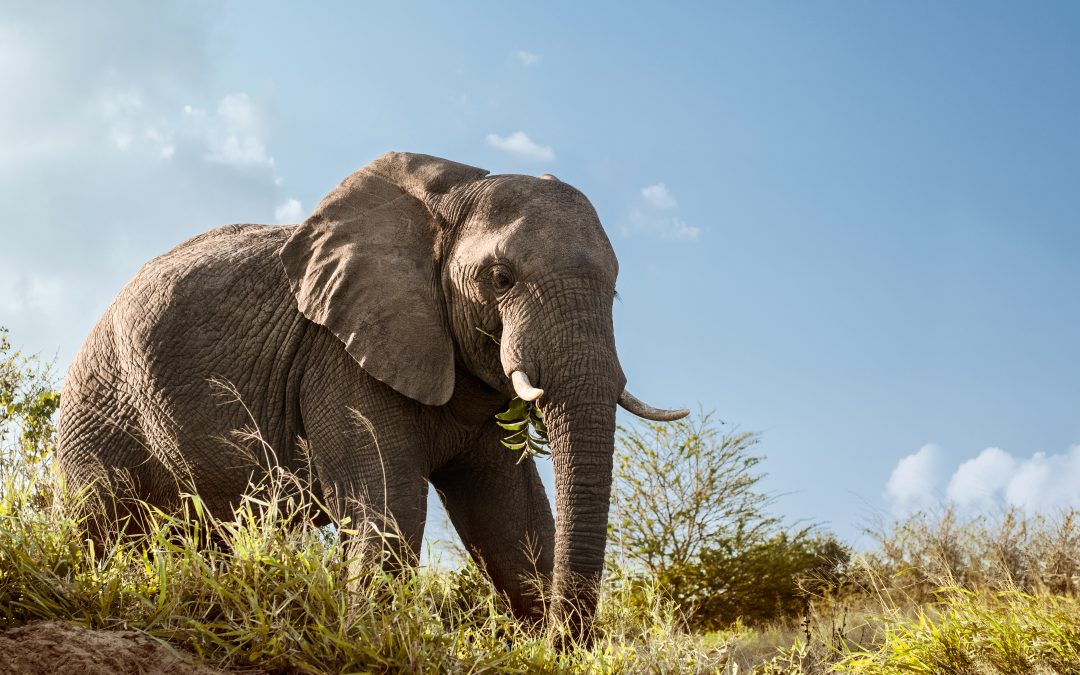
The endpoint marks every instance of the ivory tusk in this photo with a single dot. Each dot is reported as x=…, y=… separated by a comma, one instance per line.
x=635, y=405
x=523, y=388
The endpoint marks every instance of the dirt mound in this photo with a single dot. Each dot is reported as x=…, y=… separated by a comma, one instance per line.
x=57, y=649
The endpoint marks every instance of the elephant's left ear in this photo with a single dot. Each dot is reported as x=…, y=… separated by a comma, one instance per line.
x=363, y=266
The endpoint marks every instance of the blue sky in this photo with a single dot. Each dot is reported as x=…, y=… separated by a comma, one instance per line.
x=853, y=227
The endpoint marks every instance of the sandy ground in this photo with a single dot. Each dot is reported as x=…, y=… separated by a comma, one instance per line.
x=58, y=649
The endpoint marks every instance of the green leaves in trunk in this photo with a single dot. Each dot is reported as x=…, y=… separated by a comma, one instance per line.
x=525, y=421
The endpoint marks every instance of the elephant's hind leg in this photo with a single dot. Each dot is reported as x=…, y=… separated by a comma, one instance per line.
x=103, y=467
x=108, y=471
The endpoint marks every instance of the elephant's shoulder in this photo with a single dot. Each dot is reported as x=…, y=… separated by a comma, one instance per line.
x=225, y=250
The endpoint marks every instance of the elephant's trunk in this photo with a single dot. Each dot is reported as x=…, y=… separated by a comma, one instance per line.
x=582, y=444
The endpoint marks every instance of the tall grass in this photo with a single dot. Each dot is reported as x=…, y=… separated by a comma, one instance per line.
x=964, y=631
x=942, y=592
x=1036, y=553
x=268, y=589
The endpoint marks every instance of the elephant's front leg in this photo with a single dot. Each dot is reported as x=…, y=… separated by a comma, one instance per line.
x=501, y=511
x=381, y=523
x=374, y=490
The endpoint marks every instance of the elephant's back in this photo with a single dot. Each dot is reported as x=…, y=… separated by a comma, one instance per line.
x=185, y=290
x=207, y=276
x=204, y=293
x=218, y=302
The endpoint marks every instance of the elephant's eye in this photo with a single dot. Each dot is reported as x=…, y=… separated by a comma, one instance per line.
x=501, y=279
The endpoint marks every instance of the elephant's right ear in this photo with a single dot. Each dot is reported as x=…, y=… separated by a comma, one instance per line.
x=363, y=266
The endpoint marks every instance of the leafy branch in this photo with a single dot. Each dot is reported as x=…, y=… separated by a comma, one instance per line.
x=525, y=421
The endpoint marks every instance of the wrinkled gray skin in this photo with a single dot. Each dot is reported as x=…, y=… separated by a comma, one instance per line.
x=373, y=306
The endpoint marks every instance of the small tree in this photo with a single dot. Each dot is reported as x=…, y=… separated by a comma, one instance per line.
x=681, y=486
x=689, y=511
x=28, y=404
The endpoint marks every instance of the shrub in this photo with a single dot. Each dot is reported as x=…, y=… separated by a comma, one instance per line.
x=689, y=513
x=683, y=486
x=771, y=579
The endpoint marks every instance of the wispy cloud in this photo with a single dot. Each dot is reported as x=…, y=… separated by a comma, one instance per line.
x=232, y=136
x=520, y=145
x=678, y=229
x=652, y=214
x=102, y=155
x=993, y=478
x=527, y=58
x=659, y=196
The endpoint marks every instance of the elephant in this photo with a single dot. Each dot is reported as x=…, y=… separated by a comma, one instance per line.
x=373, y=343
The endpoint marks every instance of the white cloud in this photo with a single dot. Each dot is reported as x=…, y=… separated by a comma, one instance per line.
x=915, y=482
x=520, y=145
x=289, y=212
x=237, y=111
x=1046, y=482
x=648, y=221
x=659, y=196
x=977, y=481
x=132, y=125
x=527, y=58
x=240, y=151
x=991, y=479
x=165, y=146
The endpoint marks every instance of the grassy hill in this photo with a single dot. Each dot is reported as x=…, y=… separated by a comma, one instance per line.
x=267, y=591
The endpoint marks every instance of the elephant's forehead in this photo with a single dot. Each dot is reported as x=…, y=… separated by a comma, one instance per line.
x=544, y=222
x=508, y=197
x=556, y=244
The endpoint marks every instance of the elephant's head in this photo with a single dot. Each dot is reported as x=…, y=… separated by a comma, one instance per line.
x=415, y=263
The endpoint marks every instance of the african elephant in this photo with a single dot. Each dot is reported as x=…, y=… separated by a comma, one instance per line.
x=422, y=295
